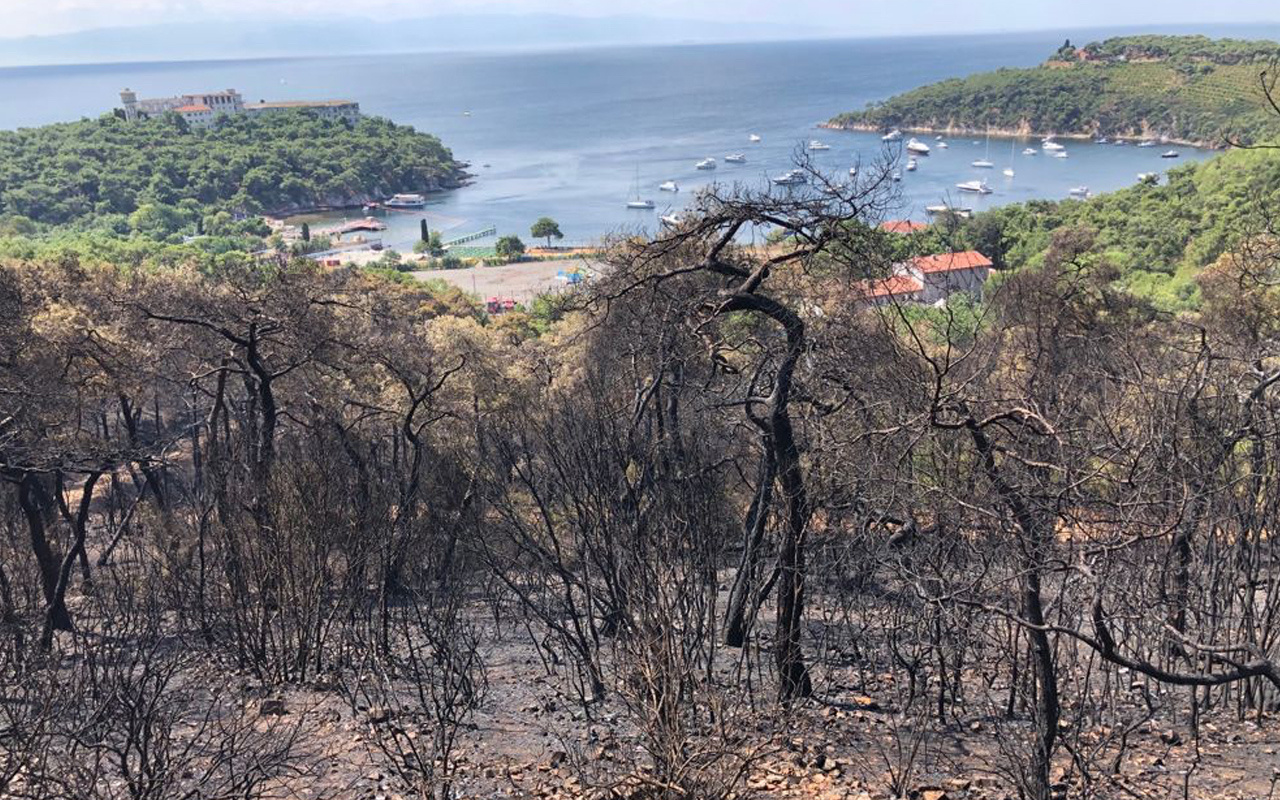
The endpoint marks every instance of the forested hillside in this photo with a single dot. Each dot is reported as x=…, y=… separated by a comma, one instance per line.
x=159, y=177
x=1188, y=89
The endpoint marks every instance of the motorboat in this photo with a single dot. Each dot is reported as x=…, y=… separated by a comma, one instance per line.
x=1170, y=154
x=1060, y=154
x=706, y=163
x=1030, y=151
x=912, y=164
x=406, y=201
x=892, y=136
x=938, y=138
x=670, y=220
x=1147, y=143
x=982, y=163
x=1119, y=143
x=918, y=147
x=668, y=186
x=753, y=138
x=942, y=145
x=964, y=213
x=978, y=187
x=897, y=176
x=793, y=178
x=1008, y=172
x=735, y=158
x=816, y=145
x=1051, y=146
x=853, y=171
x=1101, y=140
x=1078, y=191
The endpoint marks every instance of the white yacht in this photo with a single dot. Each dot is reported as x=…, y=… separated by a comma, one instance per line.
x=978, y=187
x=1008, y=172
x=406, y=201
x=1060, y=154
x=1030, y=151
x=793, y=178
x=670, y=220
x=912, y=164
x=636, y=202
x=853, y=171
x=735, y=158
x=668, y=186
x=918, y=147
x=706, y=163
x=945, y=209
x=816, y=145
x=1051, y=146
x=892, y=136
x=897, y=176
x=1169, y=154
x=1079, y=191
x=753, y=138
x=942, y=145
x=1147, y=143
x=982, y=163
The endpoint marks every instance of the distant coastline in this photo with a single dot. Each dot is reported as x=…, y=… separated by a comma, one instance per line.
x=1015, y=133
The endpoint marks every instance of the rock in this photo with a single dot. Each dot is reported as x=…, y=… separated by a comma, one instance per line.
x=272, y=707
x=1171, y=738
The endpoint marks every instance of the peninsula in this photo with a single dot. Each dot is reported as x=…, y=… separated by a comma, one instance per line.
x=1184, y=89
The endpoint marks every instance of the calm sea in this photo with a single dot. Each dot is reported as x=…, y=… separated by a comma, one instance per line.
x=564, y=134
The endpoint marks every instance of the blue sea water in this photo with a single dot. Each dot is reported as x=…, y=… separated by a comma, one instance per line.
x=563, y=134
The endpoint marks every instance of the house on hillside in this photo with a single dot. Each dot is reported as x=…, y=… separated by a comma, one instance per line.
x=903, y=226
x=883, y=291
x=945, y=274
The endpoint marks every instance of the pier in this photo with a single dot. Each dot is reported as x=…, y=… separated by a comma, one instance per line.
x=492, y=230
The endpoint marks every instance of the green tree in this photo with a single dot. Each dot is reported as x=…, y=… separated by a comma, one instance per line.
x=425, y=233
x=545, y=228
x=509, y=248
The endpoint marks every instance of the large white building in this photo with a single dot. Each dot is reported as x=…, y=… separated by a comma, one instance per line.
x=200, y=110
x=928, y=279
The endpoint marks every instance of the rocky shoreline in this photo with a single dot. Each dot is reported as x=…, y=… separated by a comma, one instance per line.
x=1020, y=132
x=343, y=202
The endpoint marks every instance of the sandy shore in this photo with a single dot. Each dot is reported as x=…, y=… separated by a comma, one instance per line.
x=521, y=281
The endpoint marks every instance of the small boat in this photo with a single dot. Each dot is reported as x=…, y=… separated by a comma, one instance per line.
x=670, y=220
x=938, y=138
x=964, y=213
x=1101, y=140
x=912, y=164
x=1078, y=191
x=982, y=163
x=1119, y=143
x=892, y=136
x=897, y=176
x=1170, y=154
x=853, y=171
x=816, y=145
x=1030, y=151
x=793, y=178
x=1051, y=146
x=466, y=113
x=668, y=186
x=1060, y=154
x=406, y=201
x=735, y=158
x=1008, y=172
x=918, y=147
x=706, y=163
x=1146, y=143
x=978, y=187
x=753, y=138
x=942, y=145
x=636, y=202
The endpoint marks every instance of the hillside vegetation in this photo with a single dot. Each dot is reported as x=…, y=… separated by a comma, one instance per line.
x=158, y=176
x=1186, y=88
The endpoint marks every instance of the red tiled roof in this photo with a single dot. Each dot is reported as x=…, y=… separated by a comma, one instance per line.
x=950, y=262
x=888, y=287
x=192, y=108
x=902, y=226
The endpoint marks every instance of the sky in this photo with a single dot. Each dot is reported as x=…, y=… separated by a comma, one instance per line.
x=841, y=17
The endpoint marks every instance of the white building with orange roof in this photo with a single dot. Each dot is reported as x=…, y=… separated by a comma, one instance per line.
x=945, y=274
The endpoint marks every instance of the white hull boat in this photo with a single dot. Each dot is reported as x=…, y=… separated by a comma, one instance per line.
x=706, y=163
x=977, y=187
x=735, y=158
x=669, y=186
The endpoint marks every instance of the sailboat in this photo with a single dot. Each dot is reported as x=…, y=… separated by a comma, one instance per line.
x=1008, y=171
x=985, y=161
x=637, y=203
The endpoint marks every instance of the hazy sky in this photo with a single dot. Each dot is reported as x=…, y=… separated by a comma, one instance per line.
x=870, y=17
